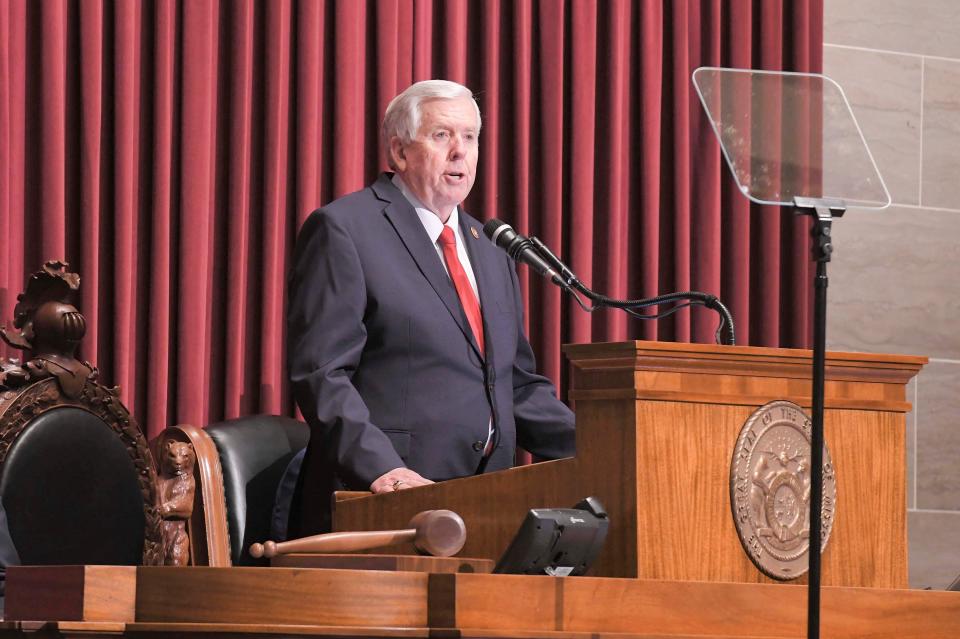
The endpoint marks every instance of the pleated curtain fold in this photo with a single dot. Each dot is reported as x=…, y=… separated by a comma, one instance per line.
x=169, y=150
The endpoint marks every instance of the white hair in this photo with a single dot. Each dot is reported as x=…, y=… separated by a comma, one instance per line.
x=402, y=118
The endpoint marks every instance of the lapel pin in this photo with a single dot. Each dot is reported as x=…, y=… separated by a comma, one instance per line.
x=473, y=231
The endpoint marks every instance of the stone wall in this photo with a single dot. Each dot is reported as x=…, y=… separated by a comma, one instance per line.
x=895, y=278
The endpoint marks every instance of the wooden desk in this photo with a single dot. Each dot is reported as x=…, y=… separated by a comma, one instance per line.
x=280, y=602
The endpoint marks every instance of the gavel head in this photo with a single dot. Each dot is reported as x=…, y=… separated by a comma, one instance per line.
x=266, y=549
x=440, y=533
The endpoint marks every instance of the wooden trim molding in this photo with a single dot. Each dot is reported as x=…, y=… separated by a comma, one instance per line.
x=742, y=360
x=277, y=602
x=737, y=375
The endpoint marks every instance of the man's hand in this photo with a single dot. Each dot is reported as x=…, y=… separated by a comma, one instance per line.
x=397, y=479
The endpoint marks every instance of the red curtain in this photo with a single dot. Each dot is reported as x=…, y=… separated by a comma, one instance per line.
x=169, y=151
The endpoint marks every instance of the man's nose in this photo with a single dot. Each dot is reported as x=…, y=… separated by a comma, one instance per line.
x=457, y=147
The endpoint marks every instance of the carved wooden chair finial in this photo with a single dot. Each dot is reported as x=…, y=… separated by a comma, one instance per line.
x=70, y=417
x=49, y=330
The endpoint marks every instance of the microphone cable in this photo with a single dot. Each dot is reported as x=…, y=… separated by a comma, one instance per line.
x=692, y=298
x=537, y=255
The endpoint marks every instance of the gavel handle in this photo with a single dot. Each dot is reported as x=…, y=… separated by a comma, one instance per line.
x=346, y=541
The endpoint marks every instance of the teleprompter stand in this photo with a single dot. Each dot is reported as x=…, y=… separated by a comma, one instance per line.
x=790, y=140
x=823, y=211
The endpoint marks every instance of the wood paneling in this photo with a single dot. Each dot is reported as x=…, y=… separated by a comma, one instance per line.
x=44, y=592
x=656, y=427
x=867, y=545
x=275, y=602
x=282, y=596
x=273, y=631
x=415, y=563
x=70, y=593
x=492, y=505
x=90, y=628
x=648, y=607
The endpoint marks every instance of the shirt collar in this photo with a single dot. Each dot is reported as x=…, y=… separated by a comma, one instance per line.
x=428, y=218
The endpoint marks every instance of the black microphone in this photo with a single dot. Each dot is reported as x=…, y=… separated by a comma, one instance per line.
x=519, y=248
x=565, y=273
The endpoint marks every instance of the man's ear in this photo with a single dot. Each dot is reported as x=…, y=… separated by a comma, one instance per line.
x=397, y=153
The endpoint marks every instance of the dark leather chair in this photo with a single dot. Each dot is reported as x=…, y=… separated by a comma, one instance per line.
x=77, y=483
x=70, y=490
x=254, y=452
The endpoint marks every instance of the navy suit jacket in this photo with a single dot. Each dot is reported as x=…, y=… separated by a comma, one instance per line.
x=384, y=364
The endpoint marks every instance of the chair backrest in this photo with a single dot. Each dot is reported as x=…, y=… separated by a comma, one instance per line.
x=77, y=482
x=254, y=453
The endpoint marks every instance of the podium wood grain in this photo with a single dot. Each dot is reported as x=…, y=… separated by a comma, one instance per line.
x=71, y=593
x=656, y=427
x=361, y=598
x=415, y=563
x=187, y=601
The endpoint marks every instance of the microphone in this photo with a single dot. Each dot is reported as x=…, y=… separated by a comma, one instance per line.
x=565, y=273
x=520, y=249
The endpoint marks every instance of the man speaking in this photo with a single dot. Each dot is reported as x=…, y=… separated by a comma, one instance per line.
x=405, y=325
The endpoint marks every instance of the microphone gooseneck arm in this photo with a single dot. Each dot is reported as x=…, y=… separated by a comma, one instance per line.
x=695, y=298
x=533, y=252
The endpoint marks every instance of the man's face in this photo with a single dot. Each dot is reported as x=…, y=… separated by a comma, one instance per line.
x=440, y=164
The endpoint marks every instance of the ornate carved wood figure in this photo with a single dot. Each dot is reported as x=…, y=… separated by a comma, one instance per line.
x=176, y=488
x=59, y=429
x=205, y=523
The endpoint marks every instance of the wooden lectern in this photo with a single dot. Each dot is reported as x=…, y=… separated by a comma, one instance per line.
x=656, y=429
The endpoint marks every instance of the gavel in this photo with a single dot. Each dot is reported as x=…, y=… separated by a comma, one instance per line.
x=440, y=533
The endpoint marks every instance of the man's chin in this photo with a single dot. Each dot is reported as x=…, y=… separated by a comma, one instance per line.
x=455, y=196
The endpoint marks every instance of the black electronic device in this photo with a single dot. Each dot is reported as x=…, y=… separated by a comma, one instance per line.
x=557, y=541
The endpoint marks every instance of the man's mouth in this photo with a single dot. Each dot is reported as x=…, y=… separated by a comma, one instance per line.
x=454, y=174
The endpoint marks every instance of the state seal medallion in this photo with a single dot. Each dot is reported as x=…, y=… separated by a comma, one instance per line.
x=770, y=490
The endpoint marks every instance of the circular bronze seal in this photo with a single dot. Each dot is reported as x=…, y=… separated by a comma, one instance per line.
x=770, y=490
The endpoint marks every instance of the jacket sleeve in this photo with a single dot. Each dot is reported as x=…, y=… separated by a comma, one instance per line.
x=545, y=425
x=325, y=340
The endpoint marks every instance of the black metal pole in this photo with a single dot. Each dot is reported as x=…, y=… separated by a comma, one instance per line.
x=823, y=210
x=816, y=447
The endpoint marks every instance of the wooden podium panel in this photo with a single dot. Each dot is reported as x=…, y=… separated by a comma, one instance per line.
x=657, y=424
x=409, y=563
x=281, y=602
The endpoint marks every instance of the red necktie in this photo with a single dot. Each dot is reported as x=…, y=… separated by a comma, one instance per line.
x=471, y=307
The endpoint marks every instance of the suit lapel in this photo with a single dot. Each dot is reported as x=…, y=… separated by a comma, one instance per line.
x=404, y=219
